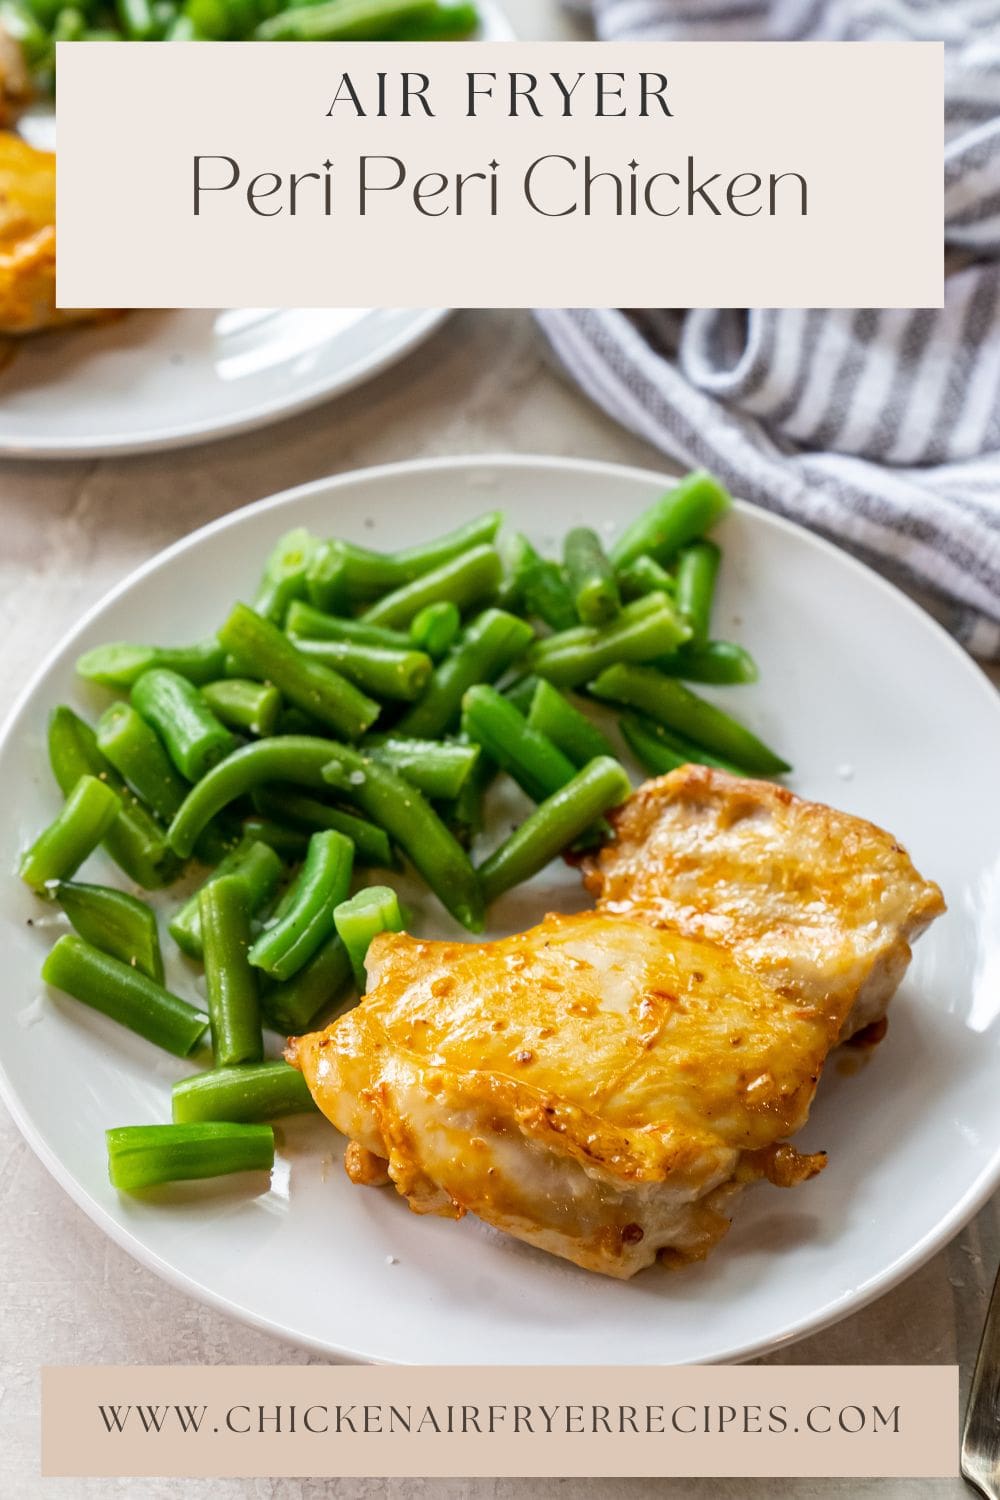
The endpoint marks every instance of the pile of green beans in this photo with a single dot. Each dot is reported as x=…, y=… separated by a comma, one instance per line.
x=37, y=25
x=354, y=717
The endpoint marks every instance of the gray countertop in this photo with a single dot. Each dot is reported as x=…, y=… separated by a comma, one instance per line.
x=482, y=384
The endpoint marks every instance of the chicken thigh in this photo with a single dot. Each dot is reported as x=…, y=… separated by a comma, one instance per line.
x=595, y=1086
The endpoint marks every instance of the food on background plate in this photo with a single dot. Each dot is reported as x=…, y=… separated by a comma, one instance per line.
x=16, y=91
x=28, y=242
x=603, y=1085
x=358, y=714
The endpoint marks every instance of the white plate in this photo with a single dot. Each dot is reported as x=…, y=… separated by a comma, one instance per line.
x=157, y=380
x=854, y=676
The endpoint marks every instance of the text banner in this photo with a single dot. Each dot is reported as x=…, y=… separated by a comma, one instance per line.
x=500, y=174
x=355, y=1421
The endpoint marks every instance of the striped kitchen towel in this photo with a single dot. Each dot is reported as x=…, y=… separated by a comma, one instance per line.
x=879, y=428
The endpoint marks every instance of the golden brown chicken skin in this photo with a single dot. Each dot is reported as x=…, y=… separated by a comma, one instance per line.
x=820, y=904
x=595, y=1086
x=28, y=241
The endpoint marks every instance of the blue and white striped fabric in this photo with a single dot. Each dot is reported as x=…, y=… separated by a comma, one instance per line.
x=879, y=428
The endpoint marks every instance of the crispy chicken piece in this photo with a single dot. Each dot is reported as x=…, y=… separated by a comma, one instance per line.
x=28, y=241
x=595, y=1086
x=603, y=1085
x=821, y=905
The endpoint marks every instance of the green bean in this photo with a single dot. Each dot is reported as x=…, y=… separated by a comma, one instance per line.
x=247, y=1093
x=306, y=622
x=553, y=715
x=590, y=577
x=445, y=23
x=697, y=570
x=539, y=587
x=120, y=666
x=648, y=628
x=371, y=847
x=115, y=922
x=466, y=817
x=294, y=721
x=136, y=20
x=554, y=825
x=438, y=769
x=292, y=1007
x=654, y=755
x=194, y=738
x=358, y=921
x=645, y=576
x=265, y=654
x=70, y=25
x=60, y=850
x=289, y=843
x=668, y=702
x=135, y=841
x=375, y=669
x=344, y=576
x=721, y=662
x=526, y=754
x=297, y=758
x=434, y=629
x=255, y=864
x=251, y=707
x=306, y=918
x=682, y=515
x=142, y=1156
x=120, y=991
x=230, y=981
x=469, y=579
x=491, y=644
x=521, y=692
x=659, y=750
x=135, y=750
x=410, y=822
x=285, y=572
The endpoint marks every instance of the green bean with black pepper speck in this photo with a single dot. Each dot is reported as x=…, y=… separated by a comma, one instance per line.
x=683, y=514
x=410, y=821
x=136, y=751
x=552, y=714
x=668, y=702
x=253, y=862
x=135, y=841
x=493, y=642
x=114, y=921
x=359, y=920
x=554, y=825
x=81, y=824
x=537, y=765
x=590, y=577
x=230, y=981
x=246, y=1093
x=247, y=706
x=471, y=578
x=379, y=670
x=119, y=665
x=120, y=991
x=266, y=655
x=305, y=917
x=194, y=738
x=290, y=1008
x=646, y=629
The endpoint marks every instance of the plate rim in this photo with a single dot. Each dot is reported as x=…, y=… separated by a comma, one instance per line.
x=976, y=1196
x=426, y=321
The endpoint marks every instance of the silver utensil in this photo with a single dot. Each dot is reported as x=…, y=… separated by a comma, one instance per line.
x=981, y=1437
